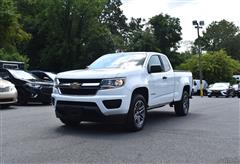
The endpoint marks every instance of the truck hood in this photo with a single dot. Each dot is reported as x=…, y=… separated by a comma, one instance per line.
x=98, y=73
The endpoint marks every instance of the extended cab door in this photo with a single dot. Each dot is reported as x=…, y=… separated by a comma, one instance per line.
x=161, y=84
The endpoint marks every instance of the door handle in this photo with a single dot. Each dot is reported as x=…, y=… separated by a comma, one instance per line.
x=164, y=77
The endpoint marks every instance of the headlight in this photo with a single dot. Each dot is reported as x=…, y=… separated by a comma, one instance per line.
x=11, y=88
x=112, y=83
x=31, y=85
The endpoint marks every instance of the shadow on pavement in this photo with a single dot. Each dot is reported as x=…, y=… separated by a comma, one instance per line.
x=155, y=120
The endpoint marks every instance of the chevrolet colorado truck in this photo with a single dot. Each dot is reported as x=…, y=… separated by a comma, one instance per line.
x=123, y=87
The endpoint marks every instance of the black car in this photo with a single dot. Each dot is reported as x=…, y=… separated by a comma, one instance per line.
x=29, y=87
x=43, y=75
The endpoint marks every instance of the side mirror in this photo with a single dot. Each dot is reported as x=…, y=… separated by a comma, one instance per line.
x=155, y=69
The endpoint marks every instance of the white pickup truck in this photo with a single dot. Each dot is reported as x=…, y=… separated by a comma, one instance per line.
x=121, y=86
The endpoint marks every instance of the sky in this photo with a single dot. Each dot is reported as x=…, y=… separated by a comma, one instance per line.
x=186, y=11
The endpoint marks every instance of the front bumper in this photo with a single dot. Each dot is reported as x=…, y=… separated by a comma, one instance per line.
x=42, y=94
x=218, y=93
x=8, y=97
x=104, y=103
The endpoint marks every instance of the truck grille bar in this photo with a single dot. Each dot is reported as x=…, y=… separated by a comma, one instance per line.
x=79, y=86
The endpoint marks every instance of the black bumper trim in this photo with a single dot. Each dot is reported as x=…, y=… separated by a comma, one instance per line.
x=85, y=111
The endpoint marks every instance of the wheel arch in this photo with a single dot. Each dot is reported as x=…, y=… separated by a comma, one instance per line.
x=187, y=88
x=142, y=91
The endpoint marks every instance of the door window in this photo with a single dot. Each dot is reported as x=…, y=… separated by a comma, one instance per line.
x=154, y=60
x=166, y=64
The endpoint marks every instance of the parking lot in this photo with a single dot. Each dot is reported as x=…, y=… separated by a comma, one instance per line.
x=209, y=134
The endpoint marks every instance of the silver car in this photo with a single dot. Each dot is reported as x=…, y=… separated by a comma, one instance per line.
x=8, y=93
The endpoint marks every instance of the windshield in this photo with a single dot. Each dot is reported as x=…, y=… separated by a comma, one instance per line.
x=20, y=74
x=119, y=60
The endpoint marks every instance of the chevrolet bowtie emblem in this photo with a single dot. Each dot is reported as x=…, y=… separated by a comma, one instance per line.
x=75, y=85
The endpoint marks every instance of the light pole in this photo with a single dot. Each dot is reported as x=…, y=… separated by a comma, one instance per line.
x=199, y=25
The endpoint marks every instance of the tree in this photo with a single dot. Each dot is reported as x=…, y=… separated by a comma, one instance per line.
x=143, y=41
x=113, y=18
x=11, y=31
x=33, y=17
x=167, y=32
x=14, y=56
x=216, y=66
x=72, y=26
x=221, y=35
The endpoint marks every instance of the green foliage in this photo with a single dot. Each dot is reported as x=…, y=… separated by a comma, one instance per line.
x=72, y=26
x=221, y=35
x=11, y=32
x=143, y=41
x=167, y=32
x=216, y=66
x=112, y=16
x=14, y=57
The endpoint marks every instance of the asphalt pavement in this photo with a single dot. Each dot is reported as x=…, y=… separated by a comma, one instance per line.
x=209, y=134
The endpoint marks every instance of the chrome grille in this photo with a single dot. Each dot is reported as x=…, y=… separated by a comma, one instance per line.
x=79, y=86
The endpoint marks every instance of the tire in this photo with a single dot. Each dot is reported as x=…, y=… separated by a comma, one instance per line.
x=21, y=98
x=47, y=103
x=22, y=101
x=70, y=123
x=209, y=96
x=182, y=107
x=4, y=106
x=137, y=113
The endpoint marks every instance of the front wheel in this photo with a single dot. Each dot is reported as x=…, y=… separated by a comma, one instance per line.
x=4, y=106
x=137, y=113
x=182, y=107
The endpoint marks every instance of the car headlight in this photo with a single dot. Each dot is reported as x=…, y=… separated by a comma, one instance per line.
x=112, y=83
x=11, y=88
x=32, y=85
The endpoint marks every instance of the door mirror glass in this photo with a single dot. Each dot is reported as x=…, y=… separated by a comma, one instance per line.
x=155, y=69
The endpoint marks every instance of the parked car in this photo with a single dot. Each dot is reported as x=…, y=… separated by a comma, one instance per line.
x=237, y=77
x=122, y=86
x=8, y=93
x=236, y=88
x=43, y=75
x=29, y=87
x=221, y=89
x=196, y=87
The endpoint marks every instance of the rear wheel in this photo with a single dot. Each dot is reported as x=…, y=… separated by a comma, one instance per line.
x=70, y=123
x=46, y=102
x=137, y=113
x=182, y=107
